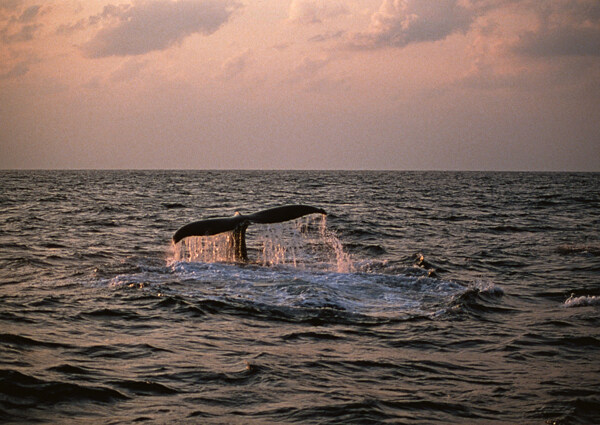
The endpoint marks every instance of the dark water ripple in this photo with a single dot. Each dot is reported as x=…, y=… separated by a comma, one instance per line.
x=475, y=298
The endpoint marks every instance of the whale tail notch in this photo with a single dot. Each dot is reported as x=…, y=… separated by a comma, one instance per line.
x=238, y=224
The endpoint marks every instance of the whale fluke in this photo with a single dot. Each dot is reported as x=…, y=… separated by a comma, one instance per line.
x=285, y=213
x=208, y=227
x=238, y=224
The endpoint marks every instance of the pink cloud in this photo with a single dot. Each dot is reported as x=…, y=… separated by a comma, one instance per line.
x=21, y=27
x=235, y=65
x=314, y=12
x=398, y=23
x=147, y=26
x=565, y=29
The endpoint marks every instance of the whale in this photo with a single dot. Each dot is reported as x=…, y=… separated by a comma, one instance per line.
x=240, y=222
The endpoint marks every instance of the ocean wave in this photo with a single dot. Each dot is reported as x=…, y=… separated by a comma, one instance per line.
x=308, y=295
x=120, y=351
x=489, y=288
x=582, y=301
x=173, y=205
x=144, y=387
x=481, y=298
x=102, y=324
x=574, y=249
x=22, y=390
x=22, y=341
x=108, y=314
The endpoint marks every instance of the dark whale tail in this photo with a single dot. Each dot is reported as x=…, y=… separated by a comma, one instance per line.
x=238, y=224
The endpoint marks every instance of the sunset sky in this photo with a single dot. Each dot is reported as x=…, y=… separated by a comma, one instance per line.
x=300, y=84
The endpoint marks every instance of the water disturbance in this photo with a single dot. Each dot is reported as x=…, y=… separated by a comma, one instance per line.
x=306, y=243
x=421, y=298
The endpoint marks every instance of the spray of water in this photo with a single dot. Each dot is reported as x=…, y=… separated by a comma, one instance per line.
x=303, y=243
x=211, y=249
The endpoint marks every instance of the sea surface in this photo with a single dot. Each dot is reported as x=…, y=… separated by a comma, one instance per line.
x=421, y=298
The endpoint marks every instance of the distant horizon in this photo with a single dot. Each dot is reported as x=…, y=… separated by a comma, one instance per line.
x=303, y=169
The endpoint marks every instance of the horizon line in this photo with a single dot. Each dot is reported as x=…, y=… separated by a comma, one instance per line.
x=310, y=170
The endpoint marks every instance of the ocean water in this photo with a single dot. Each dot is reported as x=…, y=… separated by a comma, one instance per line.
x=421, y=298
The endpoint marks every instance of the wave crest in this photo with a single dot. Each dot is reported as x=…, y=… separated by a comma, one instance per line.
x=582, y=301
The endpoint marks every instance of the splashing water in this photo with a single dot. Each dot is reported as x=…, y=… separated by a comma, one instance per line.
x=302, y=243
x=582, y=301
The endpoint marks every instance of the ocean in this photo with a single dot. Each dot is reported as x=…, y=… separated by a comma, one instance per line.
x=421, y=298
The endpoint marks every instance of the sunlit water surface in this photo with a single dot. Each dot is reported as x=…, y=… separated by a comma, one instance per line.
x=421, y=298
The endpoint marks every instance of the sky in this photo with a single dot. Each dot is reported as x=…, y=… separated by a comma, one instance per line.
x=301, y=84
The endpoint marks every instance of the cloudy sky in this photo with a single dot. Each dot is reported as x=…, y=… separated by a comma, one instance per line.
x=300, y=84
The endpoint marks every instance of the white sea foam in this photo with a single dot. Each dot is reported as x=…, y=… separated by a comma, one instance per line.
x=372, y=294
x=582, y=301
x=489, y=288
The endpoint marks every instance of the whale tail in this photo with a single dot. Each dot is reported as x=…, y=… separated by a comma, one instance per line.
x=238, y=224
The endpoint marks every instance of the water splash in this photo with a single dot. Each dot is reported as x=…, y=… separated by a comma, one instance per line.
x=582, y=301
x=210, y=249
x=302, y=243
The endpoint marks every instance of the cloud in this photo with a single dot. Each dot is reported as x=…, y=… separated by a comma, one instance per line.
x=29, y=14
x=23, y=33
x=560, y=42
x=398, y=23
x=281, y=46
x=560, y=28
x=128, y=70
x=315, y=12
x=19, y=28
x=67, y=29
x=235, y=66
x=320, y=38
x=309, y=69
x=16, y=71
x=151, y=25
x=10, y=5
x=566, y=29
x=555, y=45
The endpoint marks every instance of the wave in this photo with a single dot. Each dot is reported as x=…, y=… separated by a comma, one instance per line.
x=52, y=245
x=582, y=301
x=144, y=387
x=370, y=410
x=107, y=314
x=511, y=229
x=379, y=292
x=316, y=336
x=366, y=249
x=316, y=315
x=574, y=249
x=173, y=205
x=120, y=351
x=286, y=290
x=305, y=266
x=21, y=391
x=68, y=369
x=18, y=340
x=479, y=300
